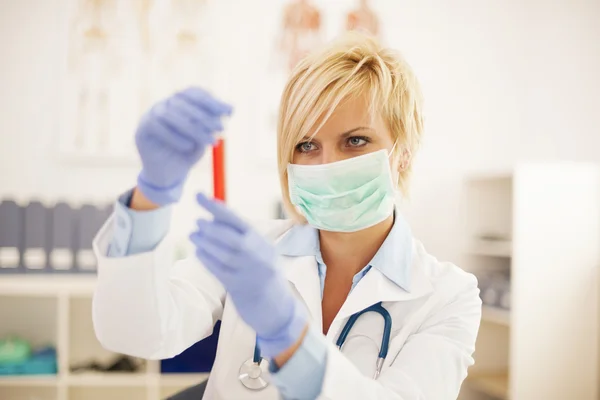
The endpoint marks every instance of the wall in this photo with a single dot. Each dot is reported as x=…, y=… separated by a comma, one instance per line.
x=504, y=81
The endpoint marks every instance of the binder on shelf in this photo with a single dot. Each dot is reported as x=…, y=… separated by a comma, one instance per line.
x=11, y=237
x=35, y=240
x=62, y=238
x=88, y=224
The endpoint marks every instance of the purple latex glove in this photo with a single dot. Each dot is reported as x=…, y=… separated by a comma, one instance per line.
x=246, y=264
x=172, y=137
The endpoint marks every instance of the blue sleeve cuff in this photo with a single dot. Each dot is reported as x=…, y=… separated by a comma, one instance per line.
x=137, y=231
x=301, y=378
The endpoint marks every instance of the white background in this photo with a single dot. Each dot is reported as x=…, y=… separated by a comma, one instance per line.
x=504, y=81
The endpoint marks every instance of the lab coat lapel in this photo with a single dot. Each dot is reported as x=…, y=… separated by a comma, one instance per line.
x=375, y=287
x=302, y=272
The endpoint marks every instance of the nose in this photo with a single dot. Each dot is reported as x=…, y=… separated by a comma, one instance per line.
x=330, y=154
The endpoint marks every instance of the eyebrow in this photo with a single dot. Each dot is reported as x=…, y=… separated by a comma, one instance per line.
x=351, y=131
x=348, y=133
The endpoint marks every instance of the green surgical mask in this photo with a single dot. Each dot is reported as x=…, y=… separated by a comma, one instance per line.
x=344, y=196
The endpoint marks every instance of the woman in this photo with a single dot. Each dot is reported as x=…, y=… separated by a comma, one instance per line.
x=349, y=122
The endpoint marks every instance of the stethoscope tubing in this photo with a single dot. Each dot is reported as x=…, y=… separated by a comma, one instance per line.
x=383, y=351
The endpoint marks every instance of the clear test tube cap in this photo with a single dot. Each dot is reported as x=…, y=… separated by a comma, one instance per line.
x=225, y=121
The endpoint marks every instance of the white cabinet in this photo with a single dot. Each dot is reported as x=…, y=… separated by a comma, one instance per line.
x=539, y=225
x=55, y=309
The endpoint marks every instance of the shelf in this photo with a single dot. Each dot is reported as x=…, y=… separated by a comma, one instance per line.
x=41, y=285
x=108, y=379
x=182, y=379
x=134, y=379
x=105, y=392
x=491, y=248
x=495, y=385
x=495, y=315
x=29, y=380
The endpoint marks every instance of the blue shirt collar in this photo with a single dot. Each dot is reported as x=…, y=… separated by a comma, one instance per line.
x=393, y=259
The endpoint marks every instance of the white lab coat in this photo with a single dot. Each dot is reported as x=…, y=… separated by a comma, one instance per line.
x=144, y=306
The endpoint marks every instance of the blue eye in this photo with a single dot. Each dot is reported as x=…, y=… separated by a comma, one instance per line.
x=357, y=141
x=305, y=147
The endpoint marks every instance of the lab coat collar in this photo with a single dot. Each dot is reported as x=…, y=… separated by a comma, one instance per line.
x=376, y=287
x=392, y=259
x=301, y=240
x=301, y=270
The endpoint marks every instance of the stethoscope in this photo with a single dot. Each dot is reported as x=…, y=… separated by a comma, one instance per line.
x=251, y=371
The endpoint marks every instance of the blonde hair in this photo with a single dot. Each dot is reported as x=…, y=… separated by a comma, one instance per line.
x=354, y=65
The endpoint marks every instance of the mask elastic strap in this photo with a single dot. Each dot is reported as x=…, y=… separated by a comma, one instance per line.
x=392, y=150
x=395, y=174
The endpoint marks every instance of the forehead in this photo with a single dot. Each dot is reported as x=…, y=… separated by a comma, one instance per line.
x=350, y=114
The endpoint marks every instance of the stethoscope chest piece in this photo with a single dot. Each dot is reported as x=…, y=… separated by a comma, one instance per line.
x=252, y=374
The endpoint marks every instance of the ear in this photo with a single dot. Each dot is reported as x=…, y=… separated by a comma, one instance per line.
x=405, y=160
